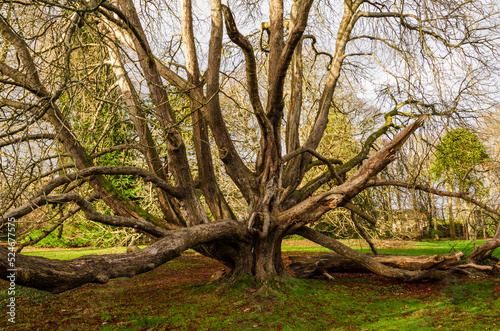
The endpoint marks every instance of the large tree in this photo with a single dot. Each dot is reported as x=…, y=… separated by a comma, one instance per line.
x=75, y=71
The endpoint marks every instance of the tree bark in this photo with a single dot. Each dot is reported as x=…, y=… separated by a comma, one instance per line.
x=368, y=262
x=484, y=251
x=61, y=275
x=311, y=266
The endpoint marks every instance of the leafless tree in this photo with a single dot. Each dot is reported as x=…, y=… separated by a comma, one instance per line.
x=62, y=61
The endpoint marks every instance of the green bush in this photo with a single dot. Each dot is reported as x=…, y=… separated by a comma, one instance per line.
x=79, y=233
x=52, y=240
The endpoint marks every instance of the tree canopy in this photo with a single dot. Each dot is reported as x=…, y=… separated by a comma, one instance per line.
x=456, y=156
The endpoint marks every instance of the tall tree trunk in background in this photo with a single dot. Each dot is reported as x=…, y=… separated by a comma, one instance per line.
x=451, y=218
x=433, y=211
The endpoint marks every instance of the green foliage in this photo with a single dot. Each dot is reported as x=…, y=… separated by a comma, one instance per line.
x=52, y=240
x=79, y=233
x=129, y=186
x=457, y=153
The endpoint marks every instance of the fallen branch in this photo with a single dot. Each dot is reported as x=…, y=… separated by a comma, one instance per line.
x=311, y=266
x=484, y=251
x=369, y=262
x=477, y=266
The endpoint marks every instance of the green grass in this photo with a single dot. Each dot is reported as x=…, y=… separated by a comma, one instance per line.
x=289, y=245
x=286, y=248
x=409, y=248
x=435, y=247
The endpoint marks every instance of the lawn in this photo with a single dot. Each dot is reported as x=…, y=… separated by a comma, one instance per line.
x=179, y=296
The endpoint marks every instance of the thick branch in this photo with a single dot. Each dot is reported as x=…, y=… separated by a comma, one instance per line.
x=58, y=276
x=188, y=40
x=243, y=177
x=484, y=251
x=282, y=62
x=368, y=262
x=295, y=170
x=168, y=206
x=194, y=211
x=90, y=213
x=292, y=138
x=250, y=66
x=461, y=195
x=312, y=208
x=309, y=188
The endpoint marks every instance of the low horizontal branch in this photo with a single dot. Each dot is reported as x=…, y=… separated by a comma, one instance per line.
x=61, y=275
x=90, y=213
x=109, y=170
x=311, y=266
x=367, y=261
x=461, y=195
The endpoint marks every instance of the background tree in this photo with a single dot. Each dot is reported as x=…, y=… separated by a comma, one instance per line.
x=456, y=158
x=150, y=66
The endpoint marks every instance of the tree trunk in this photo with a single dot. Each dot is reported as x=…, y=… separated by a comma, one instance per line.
x=450, y=218
x=433, y=211
x=259, y=257
x=267, y=262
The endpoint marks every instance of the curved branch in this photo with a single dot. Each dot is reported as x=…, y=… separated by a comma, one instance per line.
x=92, y=171
x=363, y=232
x=361, y=213
x=121, y=147
x=194, y=211
x=243, y=177
x=45, y=233
x=31, y=77
x=484, y=251
x=368, y=262
x=37, y=136
x=461, y=195
x=295, y=171
x=250, y=66
x=90, y=213
x=320, y=157
x=57, y=276
x=314, y=207
x=309, y=188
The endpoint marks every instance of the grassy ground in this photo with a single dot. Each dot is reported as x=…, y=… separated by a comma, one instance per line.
x=178, y=296
x=297, y=244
